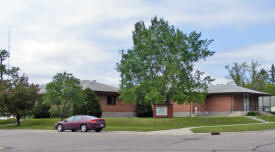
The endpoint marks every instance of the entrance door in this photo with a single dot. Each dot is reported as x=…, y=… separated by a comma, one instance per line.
x=246, y=102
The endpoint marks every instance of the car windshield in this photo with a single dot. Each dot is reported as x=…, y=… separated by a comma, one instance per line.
x=90, y=117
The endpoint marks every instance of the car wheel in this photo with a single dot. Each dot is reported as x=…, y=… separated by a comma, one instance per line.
x=98, y=130
x=59, y=128
x=83, y=128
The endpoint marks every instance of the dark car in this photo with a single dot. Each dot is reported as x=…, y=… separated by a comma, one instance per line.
x=81, y=122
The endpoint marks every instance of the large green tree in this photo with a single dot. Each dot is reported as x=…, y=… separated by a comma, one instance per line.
x=18, y=96
x=160, y=66
x=248, y=75
x=90, y=106
x=272, y=74
x=61, y=94
x=237, y=73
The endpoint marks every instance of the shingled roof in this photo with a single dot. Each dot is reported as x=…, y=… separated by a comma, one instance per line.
x=214, y=89
x=222, y=88
x=100, y=87
x=93, y=85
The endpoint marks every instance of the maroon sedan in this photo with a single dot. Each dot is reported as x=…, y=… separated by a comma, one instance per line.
x=81, y=122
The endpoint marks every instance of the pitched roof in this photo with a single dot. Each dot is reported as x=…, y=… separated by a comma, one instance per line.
x=93, y=85
x=229, y=88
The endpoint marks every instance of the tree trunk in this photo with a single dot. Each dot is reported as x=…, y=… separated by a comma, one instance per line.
x=18, y=120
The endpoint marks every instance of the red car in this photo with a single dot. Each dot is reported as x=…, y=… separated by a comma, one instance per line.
x=81, y=122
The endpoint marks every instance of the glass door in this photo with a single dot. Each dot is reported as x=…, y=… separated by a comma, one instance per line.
x=246, y=102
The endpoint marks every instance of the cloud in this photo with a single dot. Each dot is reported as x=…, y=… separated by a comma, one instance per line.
x=83, y=37
x=215, y=13
x=263, y=53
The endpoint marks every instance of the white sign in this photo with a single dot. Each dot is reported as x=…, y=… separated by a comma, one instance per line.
x=161, y=111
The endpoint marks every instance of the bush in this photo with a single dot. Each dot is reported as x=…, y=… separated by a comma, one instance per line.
x=90, y=106
x=144, y=110
x=252, y=113
x=41, y=110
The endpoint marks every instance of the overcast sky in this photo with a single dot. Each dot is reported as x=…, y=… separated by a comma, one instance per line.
x=84, y=36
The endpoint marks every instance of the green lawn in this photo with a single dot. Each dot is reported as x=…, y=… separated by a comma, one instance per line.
x=267, y=118
x=46, y=124
x=8, y=121
x=252, y=127
x=142, y=124
x=150, y=124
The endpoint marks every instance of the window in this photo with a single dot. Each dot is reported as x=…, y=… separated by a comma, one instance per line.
x=70, y=119
x=90, y=117
x=77, y=118
x=111, y=100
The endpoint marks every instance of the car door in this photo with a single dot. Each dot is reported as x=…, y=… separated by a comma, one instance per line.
x=76, y=122
x=68, y=123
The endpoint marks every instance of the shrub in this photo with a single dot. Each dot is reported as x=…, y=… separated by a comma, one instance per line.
x=144, y=110
x=41, y=110
x=90, y=106
x=251, y=113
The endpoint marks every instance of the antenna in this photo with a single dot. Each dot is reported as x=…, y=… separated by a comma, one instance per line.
x=9, y=48
x=9, y=40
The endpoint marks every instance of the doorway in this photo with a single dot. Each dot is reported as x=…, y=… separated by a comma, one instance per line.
x=246, y=102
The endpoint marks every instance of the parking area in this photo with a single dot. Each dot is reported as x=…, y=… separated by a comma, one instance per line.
x=52, y=141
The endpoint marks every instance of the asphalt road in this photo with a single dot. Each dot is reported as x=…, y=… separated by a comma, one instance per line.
x=52, y=141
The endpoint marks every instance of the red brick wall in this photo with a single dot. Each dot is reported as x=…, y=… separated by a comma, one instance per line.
x=186, y=107
x=238, y=102
x=213, y=103
x=118, y=107
x=219, y=103
x=253, y=102
x=181, y=108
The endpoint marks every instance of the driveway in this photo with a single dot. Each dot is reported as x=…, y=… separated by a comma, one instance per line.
x=50, y=141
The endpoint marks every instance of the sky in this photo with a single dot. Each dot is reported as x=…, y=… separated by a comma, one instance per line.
x=84, y=37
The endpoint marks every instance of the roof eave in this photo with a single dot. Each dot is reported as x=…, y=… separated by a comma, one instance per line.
x=262, y=94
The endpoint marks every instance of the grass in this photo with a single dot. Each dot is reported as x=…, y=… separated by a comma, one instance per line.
x=45, y=124
x=267, y=118
x=151, y=124
x=8, y=121
x=141, y=124
x=238, y=128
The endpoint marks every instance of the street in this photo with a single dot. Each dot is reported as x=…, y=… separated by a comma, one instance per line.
x=52, y=141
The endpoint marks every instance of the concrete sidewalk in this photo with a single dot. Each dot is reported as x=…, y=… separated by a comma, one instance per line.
x=181, y=131
x=187, y=131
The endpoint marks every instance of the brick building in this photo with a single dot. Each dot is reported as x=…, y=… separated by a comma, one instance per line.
x=221, y=100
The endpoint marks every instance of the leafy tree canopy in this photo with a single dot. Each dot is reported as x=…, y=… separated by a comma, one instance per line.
x=160, y=66
x=3, y=68
x=90, y=106
x=61, y=94
x=18, y=96
x=248, y=75
x=272, y=74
